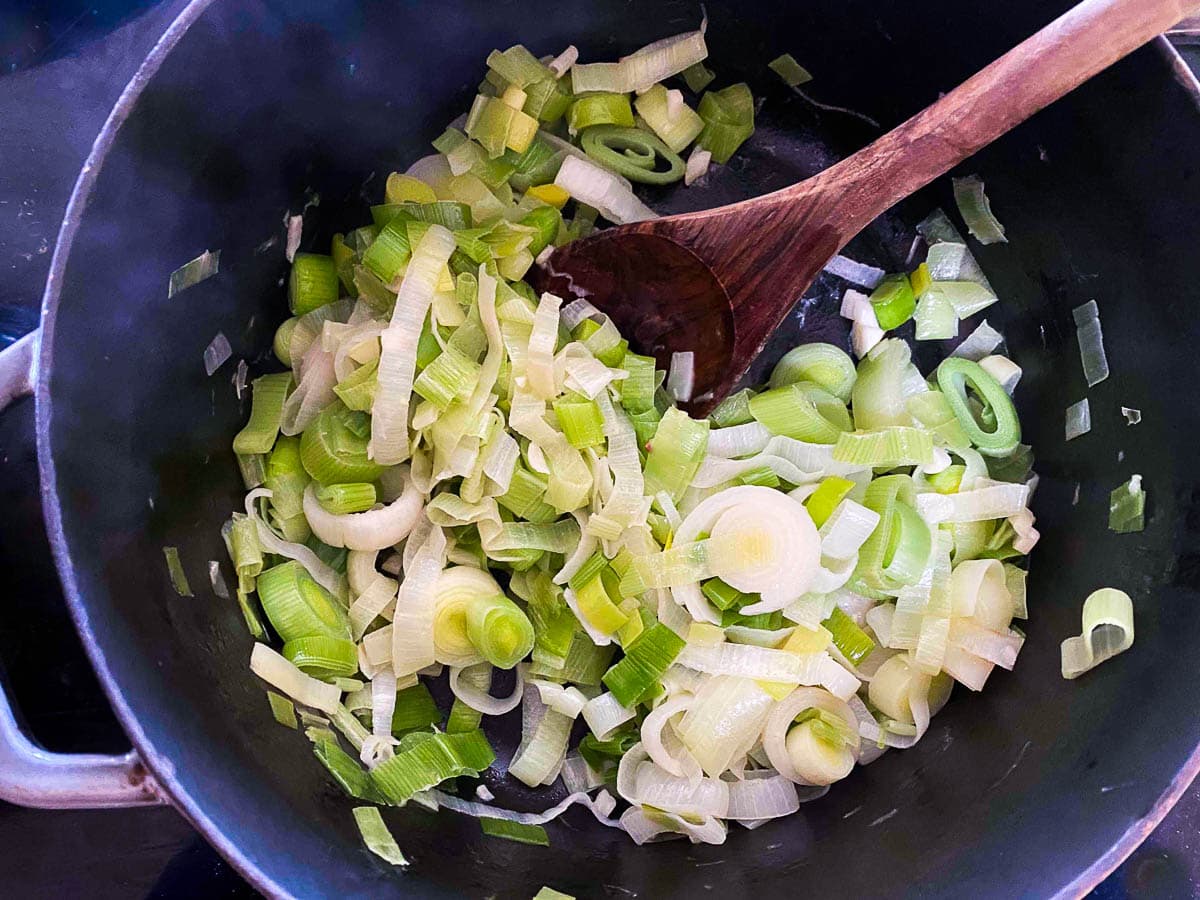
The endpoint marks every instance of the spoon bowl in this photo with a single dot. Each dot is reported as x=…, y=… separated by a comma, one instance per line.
x=718, y=282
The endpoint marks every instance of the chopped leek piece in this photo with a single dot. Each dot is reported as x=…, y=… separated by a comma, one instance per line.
x=424, y=760
x=500, y=631
x=580, y=422
x=724, y=597
x=266, y=414
x=948, y=480
x=282, y=709
x=953, y=376
x=851, y=640
x=549, y=893
x=334, y=447
x=676, y=127
x=549, y=194
x=600, y=109
x=345, y=770
x=734, y=409
x=1127, y=507
x=175, y=569
x=322, y=657
x=1107, y=631
x=825, y=499
x=824, y=365
x=675, y=453
x=976, y=210
x=357, y=390
x=596, y=606
x=792, y=73
x=515, y=831
x=1091, y=342
x=698, y=77
x=298, y=607
x=376, y=836
x=390, y=252
x=728, y=120
x=790, y=412
x=404, y=188
x=633, y=153
x=637, y=391
x=897, y=445
x=894, y=301
x=341, y=499
x=450, y=376
x=415, y=709
x=645, y=661
x=204, y=266
x=313, y=283
x=1079, y=419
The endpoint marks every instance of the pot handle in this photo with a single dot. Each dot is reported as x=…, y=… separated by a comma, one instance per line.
x=29, y=775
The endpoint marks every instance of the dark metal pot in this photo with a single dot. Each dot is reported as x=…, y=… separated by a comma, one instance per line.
x=1036, y=787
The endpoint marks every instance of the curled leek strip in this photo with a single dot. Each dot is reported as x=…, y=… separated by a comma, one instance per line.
x=1107, y=631
x=633, y=153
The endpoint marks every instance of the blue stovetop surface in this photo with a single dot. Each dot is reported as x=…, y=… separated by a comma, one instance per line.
x=69, y=60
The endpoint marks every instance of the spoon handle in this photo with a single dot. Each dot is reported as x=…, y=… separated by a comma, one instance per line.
x=1085, y=40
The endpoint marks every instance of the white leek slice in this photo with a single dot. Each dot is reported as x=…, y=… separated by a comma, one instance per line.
x=567, y=700
x=604, y=714
x=755, y=800
x=1107, y=631
x=653, y=787
x=979, y=343
x=1091, y=342
x=642, y=69
x=216, y=353
x=539, y=366
x=595, y=186
x=322, y=574
x=725, y=720
x=480, y=700
x=314, y=390
x=278, y=672
x=370, y=603
x=855, y=272
x=397, y=360
x=1079, y=419
x=738, y=440
x=412, y=627
x=561, y=63
x=681, y=377
x=375, y=529
x=544, y=735
x=763, y=664
x=976, y=210
x=780, y=722
x=995, y=500
x=697, y=165
x=844, y=532
x=652, y=733
x=1006, y=372
x=643, y=825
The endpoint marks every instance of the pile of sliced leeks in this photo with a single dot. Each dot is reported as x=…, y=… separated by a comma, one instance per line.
x=455, y=477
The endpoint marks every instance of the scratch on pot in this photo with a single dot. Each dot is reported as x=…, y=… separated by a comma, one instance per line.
x=1016, y=762
x=883, y=818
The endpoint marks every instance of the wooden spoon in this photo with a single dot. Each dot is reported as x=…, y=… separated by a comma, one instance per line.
x=718, y=282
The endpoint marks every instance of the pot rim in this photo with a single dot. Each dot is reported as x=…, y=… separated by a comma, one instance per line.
x=161, y=766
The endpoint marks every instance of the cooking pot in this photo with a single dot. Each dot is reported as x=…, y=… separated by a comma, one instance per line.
x=245, y=111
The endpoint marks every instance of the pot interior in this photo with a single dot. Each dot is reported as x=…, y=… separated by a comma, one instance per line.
x=262, y=107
